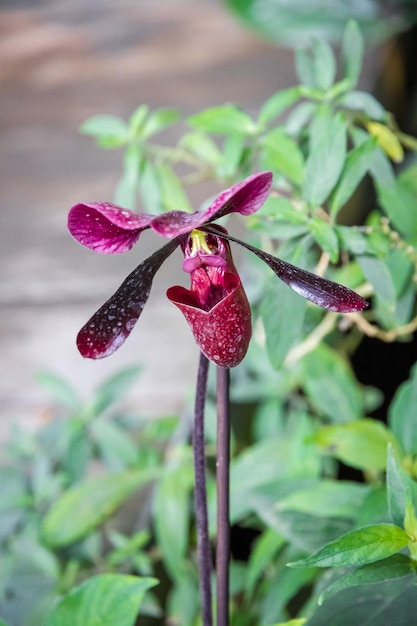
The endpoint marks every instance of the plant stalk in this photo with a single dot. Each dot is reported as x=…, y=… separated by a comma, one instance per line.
x=222, y=483
x=200, y=494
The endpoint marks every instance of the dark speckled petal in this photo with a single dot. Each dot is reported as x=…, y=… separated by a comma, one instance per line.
x=110, y=326
x=320, y=291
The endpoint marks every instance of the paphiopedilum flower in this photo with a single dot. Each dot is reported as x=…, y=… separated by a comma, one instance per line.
x=215, y=307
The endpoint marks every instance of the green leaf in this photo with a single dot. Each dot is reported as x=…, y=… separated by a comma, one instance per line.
x=149, y=188
x=358, y=547
x=171, y=516
x=88, y=504
x=376, y=272
x=127, y=187
x=356, y=166
x=365, y=103
x=280, y=587
x=201, y=146
x=298, y=117
x=300, y=621
x=115, y=446
x=60, y=390
x=115, y=388
x=233, y=150
x=137, y=119
x=387, y=139
x=402, y=415
x=282, y=313
x=109, y=130
x=173, y=194
x=395, y=566
x=159, y=120
x=400, y=489
x=331, y=498
x=304, y=67
x=103, y=600
x=352, y=52
x=399, y=201
x=326, y=237
x=361, y=444
x=324, y=64
x=277, y=103
x=264, y=552
x=282, y=154
x=223, y=120
x=330, y=385
x=327, y=152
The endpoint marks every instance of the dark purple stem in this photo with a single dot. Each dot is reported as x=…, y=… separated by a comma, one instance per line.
x=203, y=539
x=222, y=482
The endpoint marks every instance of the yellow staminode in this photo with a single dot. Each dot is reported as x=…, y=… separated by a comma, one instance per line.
x=199, y=242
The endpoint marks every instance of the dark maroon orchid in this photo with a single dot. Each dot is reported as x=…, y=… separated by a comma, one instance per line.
x=215, y=306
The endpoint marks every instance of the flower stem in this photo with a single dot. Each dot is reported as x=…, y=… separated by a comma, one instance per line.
x=203, y=539
x=222, y=482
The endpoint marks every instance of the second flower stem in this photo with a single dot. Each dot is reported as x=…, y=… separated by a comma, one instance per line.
x=222, y=483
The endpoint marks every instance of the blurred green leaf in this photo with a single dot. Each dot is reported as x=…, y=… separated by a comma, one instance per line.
x=171, y=513
x=300, y=621
x=137, y=119
x=172, y=191
x=361, y=444
x=233, y=150
x=352, y=52
x=159, y=120
x=127, y=187
x=86, y=505
x=395, y=566
x=329, y=497
x=402, y=414
x=277, y=103
x=116, y=448
x=183, y=604
x=264, y=551
x=223, y=120
x=103, y=600
x=327, y=152
x=280, y=588
x=387, y=139
x=326, y=237
x=363, y=102
x=115, y=388
x=60, y=390
x=324, y=64
x=358, y=547
x=201, y=146
x=377, y=273
x=304, y=67
x=281, y=154
x=330, y=385
x=110, y=131
x=298, y=117
x=282, y=313
x=149, y=188
x=399, y=201
x=356, y=166
x=400, y=488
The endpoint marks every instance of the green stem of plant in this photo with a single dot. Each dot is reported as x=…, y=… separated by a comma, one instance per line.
x=222, y=482
x=203, y=538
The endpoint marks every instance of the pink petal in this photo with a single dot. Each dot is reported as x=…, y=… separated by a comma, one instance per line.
x=106, y=228
x=222, y=333
x=246, y=197
x=110, y=326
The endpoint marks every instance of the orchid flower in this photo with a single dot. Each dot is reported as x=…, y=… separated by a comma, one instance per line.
x=215, y=307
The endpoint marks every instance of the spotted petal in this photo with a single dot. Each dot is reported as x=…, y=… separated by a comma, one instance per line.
x=106, y=228
x=245, y=198
x=110, y=326
x=320, y=291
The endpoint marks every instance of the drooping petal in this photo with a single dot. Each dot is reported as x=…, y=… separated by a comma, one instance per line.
x=222, y=333
x=246, y=197
x=109, y=327
x=320, y=291
x=106, y=228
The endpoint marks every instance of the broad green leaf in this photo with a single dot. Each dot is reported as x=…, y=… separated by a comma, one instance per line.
x=300, y=621
x=356, y=166
x=395, y=566
x=127, y=187
x=115, y=388
x=277, y=103
x=364, y=102
x=399, y=203
x=330, y=385
x=88, y=504
x=110, y=131
x=172, y=191
x=324, y=64
x=282, y=313
x=304, y=67
x=202, y=146
x=171, y=516
x=353, y=240
x=390, y=602
x=59, y=390
x=265, y=550
x=281, y=154
x=331, y=498
x=2, y=623
x=103, y=600
x=402, y=414
x=374, y=509
x=159, y=120
x=233, y=150
x=327, y=152
x=149, y=188
x=115, y=446
x=137, y=119
x=352, y=52
x=280, y=209
x=358, y=547
x=125, y=192
x=183, y=601
x=400, y=489
x=298, y=117
x=326, y=237
x=361, y=444
x=279, y=588
x=376, y=272
x=388, y=140
x=223, y=120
